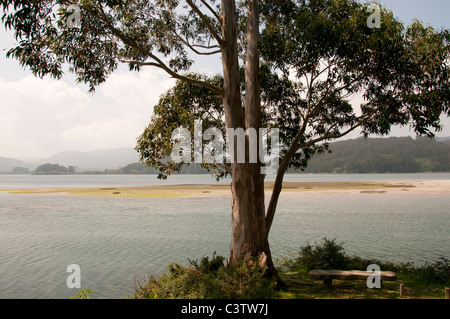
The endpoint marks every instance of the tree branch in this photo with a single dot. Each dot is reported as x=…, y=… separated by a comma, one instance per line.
x=280, y=175
x=159, y=63
x=291, y=152
x=225, y=167
x=212, y=11
x=206, y=22
x=193, y=46
x=175, y=75
x=327, y=136
x=208, y=47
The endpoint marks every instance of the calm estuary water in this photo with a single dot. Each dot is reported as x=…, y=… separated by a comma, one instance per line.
x=117, y=241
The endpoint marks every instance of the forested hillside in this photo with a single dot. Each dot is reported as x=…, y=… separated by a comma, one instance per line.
x=372, y=155
x=383, y=155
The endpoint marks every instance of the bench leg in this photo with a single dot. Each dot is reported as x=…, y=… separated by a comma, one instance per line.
x=327, y=283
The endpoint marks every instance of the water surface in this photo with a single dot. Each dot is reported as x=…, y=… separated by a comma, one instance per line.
x=117, y=241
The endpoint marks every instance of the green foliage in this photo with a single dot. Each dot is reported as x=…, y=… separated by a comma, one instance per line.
x=179, y=107
x=210, y=279
x=388, y=65
x=111, y=32
x=51, y=169
x=328, y=255
x=327, y=45
x=207, y=266
x=383, y=155
x=83, y=294
x=437, y=273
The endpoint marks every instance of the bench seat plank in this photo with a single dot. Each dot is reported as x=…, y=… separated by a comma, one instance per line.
x=328, y=275
x=350, y=275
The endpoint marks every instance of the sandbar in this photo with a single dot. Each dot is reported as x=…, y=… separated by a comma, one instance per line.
x=419, y=187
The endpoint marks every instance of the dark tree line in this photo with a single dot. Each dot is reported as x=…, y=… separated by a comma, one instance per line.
x=53, y=169
x=383, y=155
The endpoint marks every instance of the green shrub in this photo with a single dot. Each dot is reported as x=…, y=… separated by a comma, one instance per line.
x=328, y=255
x=83, y=294
x=207, y=266
x=210, y=279
x=436, y=273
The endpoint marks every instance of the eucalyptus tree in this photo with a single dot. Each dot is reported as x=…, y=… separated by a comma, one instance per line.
x=289, y=64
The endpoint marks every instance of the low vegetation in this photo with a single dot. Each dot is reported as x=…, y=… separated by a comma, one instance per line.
x=212, y=279
x=209, y=279
x=427, y=281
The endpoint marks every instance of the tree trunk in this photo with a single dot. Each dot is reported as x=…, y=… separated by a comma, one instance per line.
x=249, y=234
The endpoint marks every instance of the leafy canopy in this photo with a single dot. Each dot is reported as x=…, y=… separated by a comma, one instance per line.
x=317, y=59
x=136, y=32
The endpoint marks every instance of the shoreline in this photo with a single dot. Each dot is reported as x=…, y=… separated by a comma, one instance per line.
x=419, y=187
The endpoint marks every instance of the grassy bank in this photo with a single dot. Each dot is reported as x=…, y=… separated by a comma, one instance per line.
x=300, y=286
x=212, y=279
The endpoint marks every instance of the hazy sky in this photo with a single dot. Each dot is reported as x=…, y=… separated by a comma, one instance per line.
x=41, y=117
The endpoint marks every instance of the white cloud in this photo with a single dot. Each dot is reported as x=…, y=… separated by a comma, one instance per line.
x=125, y=110
x=40, y=117
x=102, y=135
x=34, y=111
x=137, y=90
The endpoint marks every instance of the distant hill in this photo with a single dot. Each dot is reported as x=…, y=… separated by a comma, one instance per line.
x=115, y=158
x=383, y=155
x=8, y=164
x=95, y=160
x=372, y=155
x=102, y=159
x=74, y=158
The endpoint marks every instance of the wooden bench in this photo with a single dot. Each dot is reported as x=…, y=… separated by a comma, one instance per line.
x=328, y=275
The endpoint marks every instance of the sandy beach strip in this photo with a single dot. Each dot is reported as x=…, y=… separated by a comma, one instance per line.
x=419, y=187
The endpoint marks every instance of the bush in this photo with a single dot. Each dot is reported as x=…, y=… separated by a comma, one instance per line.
x=207, y=266
x=329, y=255
x=436, y=273
x=210, y=280
x=441, y=273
